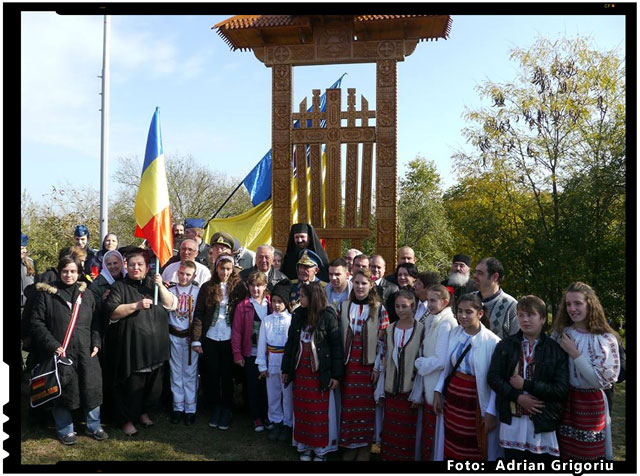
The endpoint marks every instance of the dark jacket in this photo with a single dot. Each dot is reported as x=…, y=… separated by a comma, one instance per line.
x=273, y=276
x=326, y=338
x=550, y=379
x=49, y=321
x=458, y=291
x=203, y=313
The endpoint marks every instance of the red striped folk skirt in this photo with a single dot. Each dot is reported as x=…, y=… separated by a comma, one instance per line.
x=462, y=420
x=358, y=414
x=582, y=429
x=428, y=431
x=310, y=404
x=399, y=429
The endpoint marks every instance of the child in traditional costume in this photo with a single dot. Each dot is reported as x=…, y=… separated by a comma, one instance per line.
x=462, y=393
x=271, y=342
x=183, y=362
x=314, y=361
x=363, y=320
x=438, y=323
x=401, y=348
x=582, y=331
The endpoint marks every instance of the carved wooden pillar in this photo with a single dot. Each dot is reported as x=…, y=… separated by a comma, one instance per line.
x=282, y=99
x=334, y=181
x=386, y=158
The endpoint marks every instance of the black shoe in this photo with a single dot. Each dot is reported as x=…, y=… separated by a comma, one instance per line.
x=189, y=418
x=69, y=439
x=225, y=420
x=98, y=435
x=275, y=433
x=286, y=434
x=176, y=417
x=215, y=418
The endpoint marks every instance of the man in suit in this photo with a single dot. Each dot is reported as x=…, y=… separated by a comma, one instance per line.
x=264, y=263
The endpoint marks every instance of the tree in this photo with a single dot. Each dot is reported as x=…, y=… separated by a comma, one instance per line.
x=195, y=191
x=422, y=222
x=557, y=134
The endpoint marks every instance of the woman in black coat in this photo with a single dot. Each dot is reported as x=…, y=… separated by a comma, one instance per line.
x=52, y=311
x=314, y=361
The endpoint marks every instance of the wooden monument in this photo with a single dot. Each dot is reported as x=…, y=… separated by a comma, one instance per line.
x=284, y=41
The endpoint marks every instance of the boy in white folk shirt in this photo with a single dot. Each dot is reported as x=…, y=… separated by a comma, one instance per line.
x=183, y=361
x=271, y=341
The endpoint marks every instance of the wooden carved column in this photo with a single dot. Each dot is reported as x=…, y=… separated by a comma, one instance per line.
x=282, y=98
x=386, y=158
x=333, y=200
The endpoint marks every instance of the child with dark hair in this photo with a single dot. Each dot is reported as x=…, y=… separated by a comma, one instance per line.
x=271, y=342
x=462, y=394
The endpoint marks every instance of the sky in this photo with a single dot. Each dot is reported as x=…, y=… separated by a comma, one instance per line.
x=215, y=104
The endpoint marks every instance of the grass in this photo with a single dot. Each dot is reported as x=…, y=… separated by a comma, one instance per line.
x=167, y=442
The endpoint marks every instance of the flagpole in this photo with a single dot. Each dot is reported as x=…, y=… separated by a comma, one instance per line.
x=104, y=136
x=155, y=286
x=225, y=202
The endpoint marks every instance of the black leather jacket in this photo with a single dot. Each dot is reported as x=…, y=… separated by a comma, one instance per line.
x=550, y=379
x=327, y=341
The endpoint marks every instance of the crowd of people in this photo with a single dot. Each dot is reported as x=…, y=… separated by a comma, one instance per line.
x=332, y=354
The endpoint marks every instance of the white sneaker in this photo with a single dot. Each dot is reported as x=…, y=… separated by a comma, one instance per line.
x=320, y=458
x=306, y=456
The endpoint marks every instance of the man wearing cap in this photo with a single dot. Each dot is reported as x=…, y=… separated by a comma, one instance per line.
x=221, y=242
x=303, y=236
x=188, y=251
x=308, y=265
x=459, y=281
x=264, y=263
x=81, y=237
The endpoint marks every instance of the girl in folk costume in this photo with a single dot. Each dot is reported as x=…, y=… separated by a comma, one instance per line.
x=247, y=319
x=211, y=337
x=401, y=348
x=439, y=323
x=466, y=402
x=582, y=331
x=363, y=320
x=183, y=362
x=530, y=374
x=271, y=342
x=314, y=361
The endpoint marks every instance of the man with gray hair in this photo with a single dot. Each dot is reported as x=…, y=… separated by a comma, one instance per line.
x=188, y=252
x=459, y=281
x=264, y=263
x=349, y=256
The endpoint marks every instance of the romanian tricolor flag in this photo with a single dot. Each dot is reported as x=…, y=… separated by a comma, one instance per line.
x=152, y=210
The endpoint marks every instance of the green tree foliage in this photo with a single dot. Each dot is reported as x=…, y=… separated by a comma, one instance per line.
x=194, y=191
x=422, y=221
x=553, y=141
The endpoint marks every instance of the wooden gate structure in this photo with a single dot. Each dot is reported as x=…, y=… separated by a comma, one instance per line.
x=284, y=41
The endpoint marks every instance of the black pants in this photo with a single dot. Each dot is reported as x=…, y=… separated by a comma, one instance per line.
x=518, y=455
x=218, y=361
x=138, y=394
x=256, y=389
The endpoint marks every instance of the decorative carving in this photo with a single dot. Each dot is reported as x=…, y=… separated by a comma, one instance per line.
x=281, y=54
x=386, y=48
x=386, y=113
x=386, y=73
x=334, y=41
x=386, y=233
x=280, y=156
x=281, y=191
x=333, y=135
x=317, y=198
x=351, y=189
x=281, y=116
x=282, y=77
x=385, y=154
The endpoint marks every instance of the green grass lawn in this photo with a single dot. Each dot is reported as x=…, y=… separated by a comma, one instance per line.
x=167, y=442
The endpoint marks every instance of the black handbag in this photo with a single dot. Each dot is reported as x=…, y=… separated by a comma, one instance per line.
x=51, y=375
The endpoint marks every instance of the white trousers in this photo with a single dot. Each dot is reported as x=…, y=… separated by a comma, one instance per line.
x=184, y=377
x=280, y=400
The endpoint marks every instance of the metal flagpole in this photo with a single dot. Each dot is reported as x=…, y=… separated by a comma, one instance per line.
x=155, y=286
x=104, y=138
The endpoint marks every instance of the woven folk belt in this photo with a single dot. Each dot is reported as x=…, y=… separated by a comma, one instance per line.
x=275, y=349
x=178, y=332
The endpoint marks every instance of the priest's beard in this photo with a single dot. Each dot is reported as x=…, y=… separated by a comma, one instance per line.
x=457, y=279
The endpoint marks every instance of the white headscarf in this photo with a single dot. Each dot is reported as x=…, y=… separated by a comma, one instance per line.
x=105, y=272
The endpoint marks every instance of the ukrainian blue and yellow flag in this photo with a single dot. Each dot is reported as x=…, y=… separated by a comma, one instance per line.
x=152, y=210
